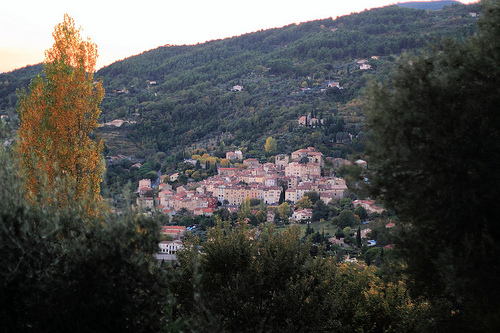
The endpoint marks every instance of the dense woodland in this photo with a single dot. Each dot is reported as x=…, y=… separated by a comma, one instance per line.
x=283, y=72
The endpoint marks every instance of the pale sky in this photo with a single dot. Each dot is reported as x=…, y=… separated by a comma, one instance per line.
x=125, y=28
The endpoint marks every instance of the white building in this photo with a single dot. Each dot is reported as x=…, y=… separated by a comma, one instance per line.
x=170, y=247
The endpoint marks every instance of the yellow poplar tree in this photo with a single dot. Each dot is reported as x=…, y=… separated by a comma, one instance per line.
x=270, y=146
x=58, y=115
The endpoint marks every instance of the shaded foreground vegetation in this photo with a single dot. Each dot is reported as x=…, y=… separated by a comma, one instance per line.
x=60, y=272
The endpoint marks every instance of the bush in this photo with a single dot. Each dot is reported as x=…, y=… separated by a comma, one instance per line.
x=61, y=272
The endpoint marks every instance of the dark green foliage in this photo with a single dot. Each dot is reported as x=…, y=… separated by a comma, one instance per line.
x=60, y=273
x=361, y=212
x=313, y=196
x=242, y=282
x=346, y=218
x=435, y=151
x=358, y=238
x=320, y=211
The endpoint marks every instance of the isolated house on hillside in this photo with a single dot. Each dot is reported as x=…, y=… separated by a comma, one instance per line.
x=236, y=155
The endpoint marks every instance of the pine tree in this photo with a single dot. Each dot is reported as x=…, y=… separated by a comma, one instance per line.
x=358, y=237
x=58, y=116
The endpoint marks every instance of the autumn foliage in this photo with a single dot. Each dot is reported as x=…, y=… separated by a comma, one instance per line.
x=58, y=116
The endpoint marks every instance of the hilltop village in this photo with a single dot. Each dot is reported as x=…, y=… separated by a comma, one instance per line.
x=287, y=179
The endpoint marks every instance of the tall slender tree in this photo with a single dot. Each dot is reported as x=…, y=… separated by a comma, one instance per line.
x=58, y=117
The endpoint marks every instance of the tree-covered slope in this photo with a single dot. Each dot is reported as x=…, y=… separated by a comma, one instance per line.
x=180, y=96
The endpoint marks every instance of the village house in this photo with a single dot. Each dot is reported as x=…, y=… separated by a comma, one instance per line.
x=145, y=202
x=310, y=121
x=165, y=187
x=292, y=181
x=333, y=84
x=296, y=193
x=237, y=88
x=364, y=232
x=144, y=186
x=368, y=205
x=271, y=180
x=271, y=194
x=227, y=171
x=251, y=162
x=303, y=171
x=301, y=215
x=236, y=155
x=303, y=121
x=281, y=161
x=175, y=231
x=170, y=247
x=115, y=123
x=204, y=211
x=311, y=153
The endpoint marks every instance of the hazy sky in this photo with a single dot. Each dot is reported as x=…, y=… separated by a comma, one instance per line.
x=125, y=28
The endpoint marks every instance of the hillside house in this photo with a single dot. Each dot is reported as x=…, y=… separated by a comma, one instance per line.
x=310, y=121
x=303, y=121
x=170, y=247
x=236, y=155
x=311, y=153
x=115, y=123
x=302, y=215
x=237, y=88
x=361, y=163
x=204, y=211
x=176, y=231
x=368, y=205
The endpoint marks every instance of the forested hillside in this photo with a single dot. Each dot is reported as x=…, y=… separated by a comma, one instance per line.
x=178, y=97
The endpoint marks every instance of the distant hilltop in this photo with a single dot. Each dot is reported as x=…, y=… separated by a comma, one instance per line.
x=428, y=5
